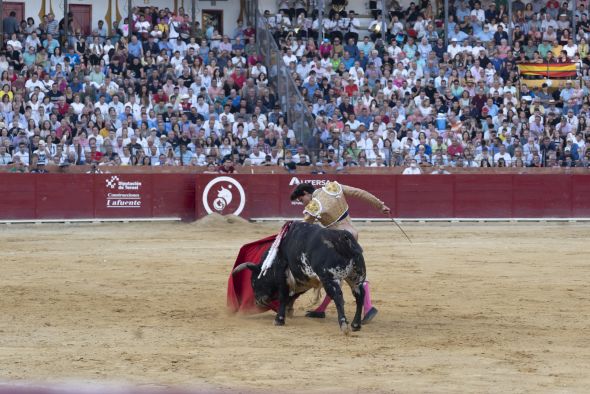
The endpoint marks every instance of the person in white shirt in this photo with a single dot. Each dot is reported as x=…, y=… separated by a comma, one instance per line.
x=5, y=157
x=352, y=122
x=394, y=50
x=502, y=154
x=228, y=115
x=354, y=27
x=142, y=26
x=454, y=48
x=34, y=82
x=212, y=127
x=124, y=128
x=289, y=57
x=395, y=26
x=330, y=26
x=389, y=89
x=478, y=12
x=115, y=103
x=361, y=143
x=22, y=153
x=258, y=69
x=570, y=48
x=257, y=157
x=15, y=43
x=413, y=169
x=202, y=107
x=102, y=105
x=303, y=68
x=379, y=162
x=43, y=154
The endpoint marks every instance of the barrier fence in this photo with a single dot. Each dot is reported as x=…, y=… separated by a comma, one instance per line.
x=298, y=115
x=189, y=196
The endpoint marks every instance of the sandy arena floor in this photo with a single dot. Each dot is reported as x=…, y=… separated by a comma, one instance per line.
x=466, y=308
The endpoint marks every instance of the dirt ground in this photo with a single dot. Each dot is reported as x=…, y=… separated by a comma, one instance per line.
x=465, y=308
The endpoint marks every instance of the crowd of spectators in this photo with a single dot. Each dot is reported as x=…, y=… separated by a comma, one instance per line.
x=162, y=91
x=385, y=102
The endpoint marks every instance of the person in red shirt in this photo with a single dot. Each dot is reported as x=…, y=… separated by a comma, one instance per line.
x=160, y=96
x=62, y=106
x=455, y=147
x=351, y=87
x=227, y=167
x=185, y=103
x=239, y=77
x=94, y=155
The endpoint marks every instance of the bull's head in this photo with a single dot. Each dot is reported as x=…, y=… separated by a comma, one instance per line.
x=265, y=288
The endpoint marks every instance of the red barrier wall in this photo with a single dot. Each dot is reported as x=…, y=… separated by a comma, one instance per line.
x=431, y=196
x=86, y=196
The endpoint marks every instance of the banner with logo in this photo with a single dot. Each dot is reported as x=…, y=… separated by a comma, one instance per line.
x=191, y=196
x=268, y=196
x=123, y=195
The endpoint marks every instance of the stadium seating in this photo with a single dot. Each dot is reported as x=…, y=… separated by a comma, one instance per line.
x=383, y=91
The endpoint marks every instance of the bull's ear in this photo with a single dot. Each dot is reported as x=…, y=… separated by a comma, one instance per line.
x=251, y=266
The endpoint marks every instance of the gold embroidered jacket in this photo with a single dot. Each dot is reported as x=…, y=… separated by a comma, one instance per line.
x=328, y=204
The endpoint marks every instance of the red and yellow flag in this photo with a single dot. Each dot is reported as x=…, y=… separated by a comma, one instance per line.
x=549, y=70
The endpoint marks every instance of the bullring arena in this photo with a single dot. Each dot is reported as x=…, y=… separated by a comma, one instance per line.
x=467, y=307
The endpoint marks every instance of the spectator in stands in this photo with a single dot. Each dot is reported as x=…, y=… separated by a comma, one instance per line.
x=412, y=169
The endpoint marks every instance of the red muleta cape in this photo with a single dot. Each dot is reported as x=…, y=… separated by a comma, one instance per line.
x=240, y=296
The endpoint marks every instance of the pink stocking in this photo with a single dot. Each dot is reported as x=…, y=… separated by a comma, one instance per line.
x=367, y=305
x=324, y=304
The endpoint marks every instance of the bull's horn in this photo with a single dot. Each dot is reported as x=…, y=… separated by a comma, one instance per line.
x=242, y=267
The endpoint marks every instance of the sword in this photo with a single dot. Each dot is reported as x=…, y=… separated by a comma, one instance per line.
x=400, y=228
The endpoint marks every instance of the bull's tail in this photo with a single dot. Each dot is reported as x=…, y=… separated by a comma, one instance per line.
x=317, y=296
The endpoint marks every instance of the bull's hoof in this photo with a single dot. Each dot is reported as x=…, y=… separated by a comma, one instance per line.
x=279, y=321
x=315, y=315
x=344, y=327
x=290, y=312
x=370, y=315
x=355, y=326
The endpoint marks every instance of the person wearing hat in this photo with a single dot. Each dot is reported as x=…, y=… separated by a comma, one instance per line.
x=567, y=92
x=563, y=22
x=453, y=49
x=43, y=154
x=544, y=48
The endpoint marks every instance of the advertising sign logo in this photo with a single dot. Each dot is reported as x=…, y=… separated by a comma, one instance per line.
x=118, y=195
x=224, y=195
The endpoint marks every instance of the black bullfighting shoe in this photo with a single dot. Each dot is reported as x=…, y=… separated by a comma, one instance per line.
x=315, y=314
x=370, y=315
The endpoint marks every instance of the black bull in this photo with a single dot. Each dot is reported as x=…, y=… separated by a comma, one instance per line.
x=311, y=256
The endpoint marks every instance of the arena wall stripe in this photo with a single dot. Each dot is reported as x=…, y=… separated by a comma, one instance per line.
x=126, y=197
